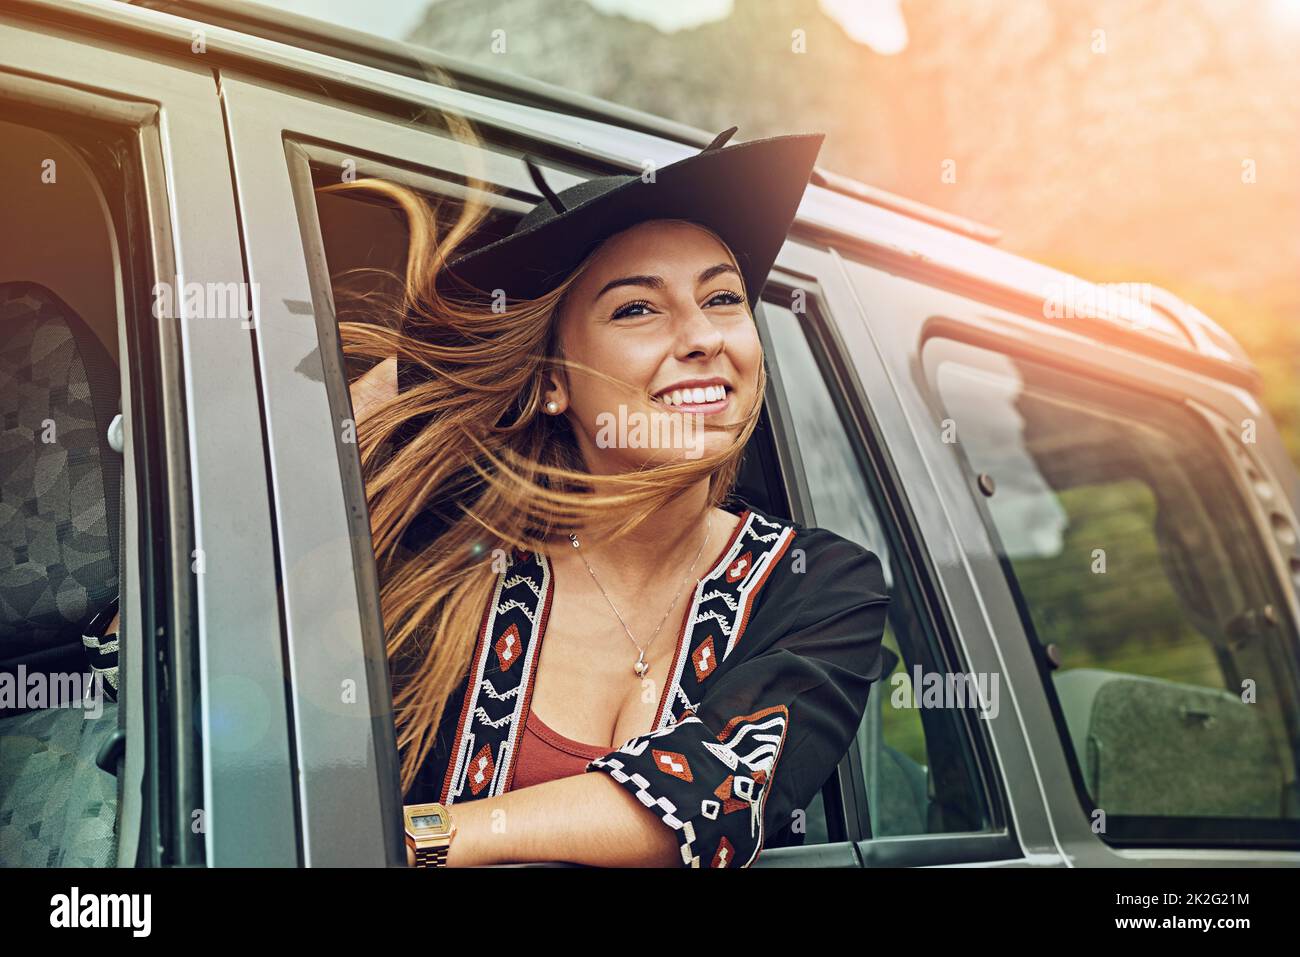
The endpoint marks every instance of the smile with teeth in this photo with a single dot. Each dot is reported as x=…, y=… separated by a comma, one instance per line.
x=691, y=397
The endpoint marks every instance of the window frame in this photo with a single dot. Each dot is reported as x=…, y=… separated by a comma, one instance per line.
x=304, y=154
x=323, y=130
x=276, y=135
x=56, y=82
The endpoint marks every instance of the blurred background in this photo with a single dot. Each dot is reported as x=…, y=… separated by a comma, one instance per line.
x=1123, y=140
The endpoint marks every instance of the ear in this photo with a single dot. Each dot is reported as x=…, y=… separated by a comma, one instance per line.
x=555, y=381
x=555, y=390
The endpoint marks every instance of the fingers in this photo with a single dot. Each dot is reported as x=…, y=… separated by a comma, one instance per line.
x=375, y=387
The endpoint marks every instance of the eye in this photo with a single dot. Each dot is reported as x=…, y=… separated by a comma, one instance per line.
x=731, y=299
x=623, y=310
x=725, y=297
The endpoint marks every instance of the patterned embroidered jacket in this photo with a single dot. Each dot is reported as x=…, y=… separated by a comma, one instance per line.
x=777, y=652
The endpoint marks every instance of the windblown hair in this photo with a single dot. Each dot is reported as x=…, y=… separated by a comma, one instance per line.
x=469, y=450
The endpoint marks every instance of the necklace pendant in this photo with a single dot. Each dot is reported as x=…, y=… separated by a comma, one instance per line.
x=641, y=667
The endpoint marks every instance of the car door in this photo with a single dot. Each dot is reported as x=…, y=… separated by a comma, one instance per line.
x=301, y=240
x=285, y=144
x=206, y=743
x=1122, y=532
x=925, y=784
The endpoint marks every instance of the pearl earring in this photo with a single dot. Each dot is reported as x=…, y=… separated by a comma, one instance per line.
x=552, y=407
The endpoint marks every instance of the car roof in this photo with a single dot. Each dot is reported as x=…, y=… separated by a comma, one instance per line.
x=910, y=236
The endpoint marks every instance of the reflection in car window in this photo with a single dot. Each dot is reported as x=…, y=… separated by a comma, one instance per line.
x=917, y=762
x=1137, y=562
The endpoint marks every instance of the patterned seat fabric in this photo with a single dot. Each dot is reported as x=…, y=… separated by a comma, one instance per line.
x=60, y=504
x=57, y=806
x=60, y=481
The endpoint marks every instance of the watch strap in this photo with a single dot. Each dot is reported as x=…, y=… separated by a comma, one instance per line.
x=431, y=856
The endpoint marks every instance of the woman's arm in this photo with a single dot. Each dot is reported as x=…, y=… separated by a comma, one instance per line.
x=769, y=728
x=581, y=819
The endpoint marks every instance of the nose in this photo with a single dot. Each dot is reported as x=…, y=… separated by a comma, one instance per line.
x=697, y=336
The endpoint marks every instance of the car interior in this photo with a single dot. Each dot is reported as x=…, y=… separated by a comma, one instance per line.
x=1148, y=669
x=1183, y=743
x=61, y=499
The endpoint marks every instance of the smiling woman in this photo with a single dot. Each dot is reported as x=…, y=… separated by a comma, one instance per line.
x=691, y=331
x=531, y=557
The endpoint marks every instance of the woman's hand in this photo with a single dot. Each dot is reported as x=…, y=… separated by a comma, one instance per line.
x=374, y=388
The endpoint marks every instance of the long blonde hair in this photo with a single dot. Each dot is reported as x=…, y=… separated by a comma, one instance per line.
x=470, y=446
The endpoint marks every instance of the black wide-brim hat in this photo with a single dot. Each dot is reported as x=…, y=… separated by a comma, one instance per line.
x=748, y=194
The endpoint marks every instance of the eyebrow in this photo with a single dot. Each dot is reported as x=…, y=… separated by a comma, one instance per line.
x=657, y=282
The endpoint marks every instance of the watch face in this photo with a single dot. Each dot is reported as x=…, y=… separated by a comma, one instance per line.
x=427, y=820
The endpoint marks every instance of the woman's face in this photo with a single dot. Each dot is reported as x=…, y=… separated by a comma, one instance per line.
x=661, y=308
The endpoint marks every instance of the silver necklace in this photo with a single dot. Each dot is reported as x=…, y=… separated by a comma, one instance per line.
x=642, y=666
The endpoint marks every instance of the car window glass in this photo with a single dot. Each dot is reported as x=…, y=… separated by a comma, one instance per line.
x=918, y=765
x=1139, y=576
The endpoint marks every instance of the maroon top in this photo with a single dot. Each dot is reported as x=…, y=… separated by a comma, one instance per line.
x=545, y=755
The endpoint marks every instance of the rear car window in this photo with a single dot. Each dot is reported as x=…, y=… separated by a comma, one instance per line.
x=1143, y=582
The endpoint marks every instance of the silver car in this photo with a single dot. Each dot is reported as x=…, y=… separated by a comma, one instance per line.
x=1086, y=516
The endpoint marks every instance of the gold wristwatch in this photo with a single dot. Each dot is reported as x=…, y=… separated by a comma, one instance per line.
x=428, y=833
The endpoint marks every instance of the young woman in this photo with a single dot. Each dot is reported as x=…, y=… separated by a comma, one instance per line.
x=597, y=656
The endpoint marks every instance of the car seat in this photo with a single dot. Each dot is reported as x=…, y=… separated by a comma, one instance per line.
x=60, y=529
x=1149, y=746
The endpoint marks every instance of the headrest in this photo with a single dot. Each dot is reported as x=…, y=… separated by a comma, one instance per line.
x=1149, y=746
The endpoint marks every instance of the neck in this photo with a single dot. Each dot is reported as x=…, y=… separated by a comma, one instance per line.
x=673, y=535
